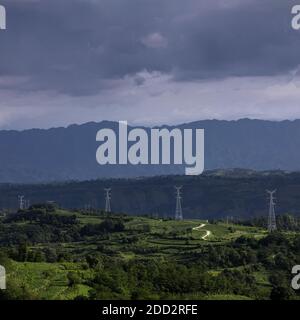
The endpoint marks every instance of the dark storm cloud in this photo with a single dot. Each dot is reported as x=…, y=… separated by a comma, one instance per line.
x=75, y=46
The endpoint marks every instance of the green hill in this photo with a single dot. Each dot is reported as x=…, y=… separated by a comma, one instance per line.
x=52, y=253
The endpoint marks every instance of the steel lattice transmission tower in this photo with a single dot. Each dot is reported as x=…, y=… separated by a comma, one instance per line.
x=107, y=199
x=27, y=204
x=22, y=205
x=178, y=212
x=272, y=218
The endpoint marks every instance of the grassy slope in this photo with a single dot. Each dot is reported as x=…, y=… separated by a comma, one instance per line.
x=167, y=237
x=47, y=280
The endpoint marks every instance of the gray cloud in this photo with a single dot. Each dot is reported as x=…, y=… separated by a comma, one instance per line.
x=71, y=45
x=85, y=48
x=155, y=40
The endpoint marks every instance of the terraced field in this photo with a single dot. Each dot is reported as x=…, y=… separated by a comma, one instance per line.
x=74, y=254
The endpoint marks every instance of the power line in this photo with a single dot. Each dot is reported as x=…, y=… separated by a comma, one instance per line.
x=272, y=218
x=107, y=199
x=22, y=204
x=178, y=212
x=27, y=204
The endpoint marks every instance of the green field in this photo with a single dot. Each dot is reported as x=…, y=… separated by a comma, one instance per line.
x=63, y=267
x=167, y=237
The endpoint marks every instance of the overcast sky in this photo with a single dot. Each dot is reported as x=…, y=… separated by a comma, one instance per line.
x=147, y=61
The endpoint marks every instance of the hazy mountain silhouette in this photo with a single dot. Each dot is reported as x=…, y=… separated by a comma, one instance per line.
x=61, y=154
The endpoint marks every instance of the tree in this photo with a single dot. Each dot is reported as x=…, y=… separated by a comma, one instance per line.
x=22, y=252
x=73, y=278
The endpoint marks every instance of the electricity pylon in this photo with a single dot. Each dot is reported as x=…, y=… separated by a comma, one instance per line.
x=107, y=199
x=21, y=202
x=178, y=212
x=271, y=218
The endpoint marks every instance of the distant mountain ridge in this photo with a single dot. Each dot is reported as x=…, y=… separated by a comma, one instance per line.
x=62, y=154
x=214, y=194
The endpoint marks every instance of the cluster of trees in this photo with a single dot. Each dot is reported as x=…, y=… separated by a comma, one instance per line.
x=41, y=216
x=238, y=263
x=107, y=226
x=161, y=279
x=43, y=225
x=285, y=222
x=16, y=233
x=23, y=253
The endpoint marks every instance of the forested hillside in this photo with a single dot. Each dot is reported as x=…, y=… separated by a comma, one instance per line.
x=237, y=193
x=51, y=253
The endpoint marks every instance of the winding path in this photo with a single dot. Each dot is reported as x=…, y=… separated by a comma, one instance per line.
x=207, y=234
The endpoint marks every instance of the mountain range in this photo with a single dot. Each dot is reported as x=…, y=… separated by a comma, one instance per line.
x=64, y=154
